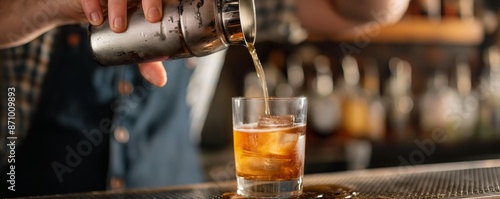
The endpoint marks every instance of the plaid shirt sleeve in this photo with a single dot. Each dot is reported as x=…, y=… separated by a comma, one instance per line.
x=277, y=21
x=22, y=68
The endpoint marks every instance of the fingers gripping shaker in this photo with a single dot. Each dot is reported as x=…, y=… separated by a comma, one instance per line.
x=188, y=28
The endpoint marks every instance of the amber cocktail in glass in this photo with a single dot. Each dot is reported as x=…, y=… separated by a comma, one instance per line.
x=269, y=146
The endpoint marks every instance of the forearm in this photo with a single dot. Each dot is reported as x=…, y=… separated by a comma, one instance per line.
x=337, y=17
x=24, y=20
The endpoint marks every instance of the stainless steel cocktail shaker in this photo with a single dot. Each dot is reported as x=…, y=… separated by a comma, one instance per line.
x=188, y=28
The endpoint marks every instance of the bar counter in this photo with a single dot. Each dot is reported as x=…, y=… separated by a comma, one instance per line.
x=474, y=179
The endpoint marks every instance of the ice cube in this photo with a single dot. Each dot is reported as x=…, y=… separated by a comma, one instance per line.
x=288, y=138
x=270, y=144
x=276, y=120
x=287, y=143
x=265, y=165
x=279, y=143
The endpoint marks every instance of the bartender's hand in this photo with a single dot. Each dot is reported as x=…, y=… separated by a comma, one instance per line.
x=24, y=20
x=93, y=10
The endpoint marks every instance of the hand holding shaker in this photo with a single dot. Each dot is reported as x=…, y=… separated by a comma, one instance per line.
x=188, y=28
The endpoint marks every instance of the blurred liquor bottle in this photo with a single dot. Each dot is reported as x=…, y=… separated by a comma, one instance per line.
x=436, y=10
x=433, y=9
x=295, y=75
x=376, y=108
x=355, y=108
x=324, y=103
x=430, y=9
x=439, y=107
x=414, y=9
x=451, y=8
x=460, y=9
x=466, y=117
x=489, y=94
x=399, y=101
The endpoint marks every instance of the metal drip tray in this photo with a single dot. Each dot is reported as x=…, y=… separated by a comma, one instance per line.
x=453, y=180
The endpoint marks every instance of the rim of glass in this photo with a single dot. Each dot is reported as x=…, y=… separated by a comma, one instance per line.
x=270, y=98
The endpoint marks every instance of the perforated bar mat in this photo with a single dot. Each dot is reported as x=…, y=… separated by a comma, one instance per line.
x=458, y=180
x=439, y=184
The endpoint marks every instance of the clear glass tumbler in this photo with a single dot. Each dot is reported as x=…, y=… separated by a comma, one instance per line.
x=269, y=146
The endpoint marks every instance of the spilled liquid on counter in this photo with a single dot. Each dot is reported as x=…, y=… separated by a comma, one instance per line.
x=329, y=191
